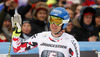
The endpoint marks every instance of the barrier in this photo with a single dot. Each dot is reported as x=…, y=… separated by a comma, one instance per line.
x=32, y=51
x=84, y=46
x=89, y=54
x=89, y=46
x=4, y=47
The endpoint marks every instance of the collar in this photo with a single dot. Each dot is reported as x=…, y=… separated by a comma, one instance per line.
x=55, y=39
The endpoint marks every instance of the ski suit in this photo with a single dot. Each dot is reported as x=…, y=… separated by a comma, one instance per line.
x=49, y=46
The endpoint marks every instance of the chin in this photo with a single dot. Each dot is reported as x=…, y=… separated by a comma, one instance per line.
x=54, y=31
x=42, y=19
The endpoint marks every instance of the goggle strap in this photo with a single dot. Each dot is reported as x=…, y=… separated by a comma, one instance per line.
x=66, y=21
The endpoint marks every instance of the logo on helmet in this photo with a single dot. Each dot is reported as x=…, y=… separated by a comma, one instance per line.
x=56, y=12
x=66, y=16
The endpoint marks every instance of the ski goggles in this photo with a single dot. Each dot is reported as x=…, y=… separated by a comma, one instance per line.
x=57, y=20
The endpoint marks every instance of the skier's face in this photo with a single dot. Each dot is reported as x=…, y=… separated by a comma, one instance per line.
x=54, y=28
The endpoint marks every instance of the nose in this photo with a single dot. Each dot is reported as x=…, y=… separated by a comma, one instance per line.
x=54, y=25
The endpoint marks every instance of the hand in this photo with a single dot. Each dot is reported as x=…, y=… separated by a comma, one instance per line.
x=16, y=25
x=92, y=38
x=16, y=19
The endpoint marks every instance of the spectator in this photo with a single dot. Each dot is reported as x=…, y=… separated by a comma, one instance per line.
x=2, y=36
x=7, y=27
x=9, y=7
x=5, y=24
x=28, y=14
x=97, y=23
x=84, y=25
x=97, y=15
x=40, y=18
x=26, y=30
x=5, y=21
x=77, y=10
x=71, y=13
x=69, y=27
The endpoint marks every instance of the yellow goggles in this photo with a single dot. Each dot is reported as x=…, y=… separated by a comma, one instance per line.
x=57, y=20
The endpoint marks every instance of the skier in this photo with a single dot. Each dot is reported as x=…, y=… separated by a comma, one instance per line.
x=54, y=43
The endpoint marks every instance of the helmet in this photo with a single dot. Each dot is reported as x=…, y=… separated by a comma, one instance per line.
x=62, y=13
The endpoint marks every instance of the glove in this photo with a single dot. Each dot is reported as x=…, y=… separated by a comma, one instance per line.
x=16, y=19
x=16, y=25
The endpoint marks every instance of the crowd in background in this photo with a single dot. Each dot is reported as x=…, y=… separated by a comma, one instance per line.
x=84, y=22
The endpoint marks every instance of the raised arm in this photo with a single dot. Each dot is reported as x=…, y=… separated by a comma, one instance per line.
x=16, y=42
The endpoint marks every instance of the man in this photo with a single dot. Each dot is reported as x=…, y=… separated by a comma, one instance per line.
x=7, y=29
x=54, y=43
x=84, y=25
